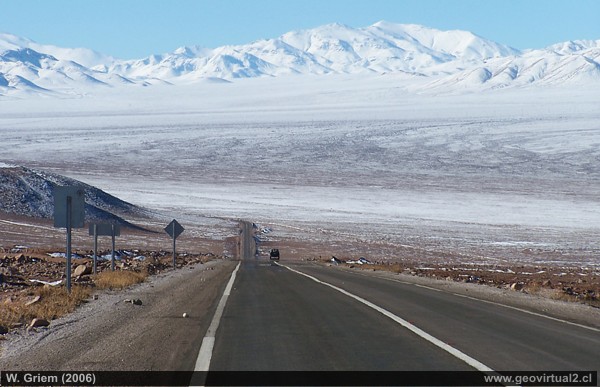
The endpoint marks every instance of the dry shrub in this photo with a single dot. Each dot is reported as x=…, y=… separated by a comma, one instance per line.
x=54, y=302
x=535, y=288
x=118, y=279
x=393, y=267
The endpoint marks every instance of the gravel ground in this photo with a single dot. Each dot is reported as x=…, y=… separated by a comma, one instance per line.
x=110, y=334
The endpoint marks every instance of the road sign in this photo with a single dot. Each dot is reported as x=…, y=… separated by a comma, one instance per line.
x=69, y=212
x=105, y=229
x=174, y=229
x=108, y=229
x=69, y=199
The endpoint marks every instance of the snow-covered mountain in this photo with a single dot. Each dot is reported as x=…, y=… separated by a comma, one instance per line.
x=335, y=48
x=569, y=62
x=450, y=60
x=30, y=67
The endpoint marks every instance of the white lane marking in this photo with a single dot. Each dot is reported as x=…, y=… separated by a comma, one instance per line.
x=453, y=351
x=486, y=301
x=427, y=287
x=208, y=342
x=529, y=312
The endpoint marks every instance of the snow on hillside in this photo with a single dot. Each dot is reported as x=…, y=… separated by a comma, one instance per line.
x=450, y=60
x=570, y=62
x=83, y=56
x=28, y=68
x=334, y=48
x=28, y=192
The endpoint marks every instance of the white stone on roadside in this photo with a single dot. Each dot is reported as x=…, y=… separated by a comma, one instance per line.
x=185, y=315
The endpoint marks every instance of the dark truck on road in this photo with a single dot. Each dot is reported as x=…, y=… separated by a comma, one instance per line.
x=274, y=255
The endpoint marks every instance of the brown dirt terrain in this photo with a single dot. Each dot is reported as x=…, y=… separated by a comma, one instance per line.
x=29, y=260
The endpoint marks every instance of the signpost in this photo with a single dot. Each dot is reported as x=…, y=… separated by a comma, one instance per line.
x=69, y=212
x=108, y=229
x=174, y=229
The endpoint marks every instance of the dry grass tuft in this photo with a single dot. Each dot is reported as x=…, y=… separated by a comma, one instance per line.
x=54, y=302
x=392, y=267
x=118, y=279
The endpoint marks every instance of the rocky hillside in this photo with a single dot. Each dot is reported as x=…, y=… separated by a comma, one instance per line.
x=29, y=192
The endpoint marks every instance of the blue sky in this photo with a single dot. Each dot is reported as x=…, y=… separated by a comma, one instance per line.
x=137, y=28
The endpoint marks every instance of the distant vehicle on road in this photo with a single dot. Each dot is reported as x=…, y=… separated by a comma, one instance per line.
x=274, y=255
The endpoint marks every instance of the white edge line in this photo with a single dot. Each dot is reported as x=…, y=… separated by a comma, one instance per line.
x=208, y=342
x=528, y=312
x=453, y=351
x=487, y=302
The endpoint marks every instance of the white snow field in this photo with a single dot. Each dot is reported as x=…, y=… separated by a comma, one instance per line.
x=509, y=175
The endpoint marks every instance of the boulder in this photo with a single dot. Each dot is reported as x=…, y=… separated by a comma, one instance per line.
x=516, y=286
x=39, y=322
x=82, y=270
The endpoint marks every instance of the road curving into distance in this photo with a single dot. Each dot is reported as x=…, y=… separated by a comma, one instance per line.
x=299, y=316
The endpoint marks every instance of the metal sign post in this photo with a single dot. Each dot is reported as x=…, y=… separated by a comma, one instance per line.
x=69, y=226
x=107, y=229
x=69, y=213
x=112, y=252
x=174, y=229
x=95, y=231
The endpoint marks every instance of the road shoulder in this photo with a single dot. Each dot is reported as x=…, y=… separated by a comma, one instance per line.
x=111, y=334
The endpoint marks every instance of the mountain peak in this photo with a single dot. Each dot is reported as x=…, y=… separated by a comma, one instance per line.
x=191, y=51
x=573, y=46
x=13, y=42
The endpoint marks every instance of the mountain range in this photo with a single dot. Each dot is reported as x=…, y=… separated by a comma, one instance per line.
x=438, y=60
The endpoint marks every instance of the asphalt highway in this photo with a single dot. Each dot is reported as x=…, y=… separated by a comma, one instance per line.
x=310, y=317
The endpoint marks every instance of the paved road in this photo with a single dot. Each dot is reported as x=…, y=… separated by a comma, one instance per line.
x=277, y=319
